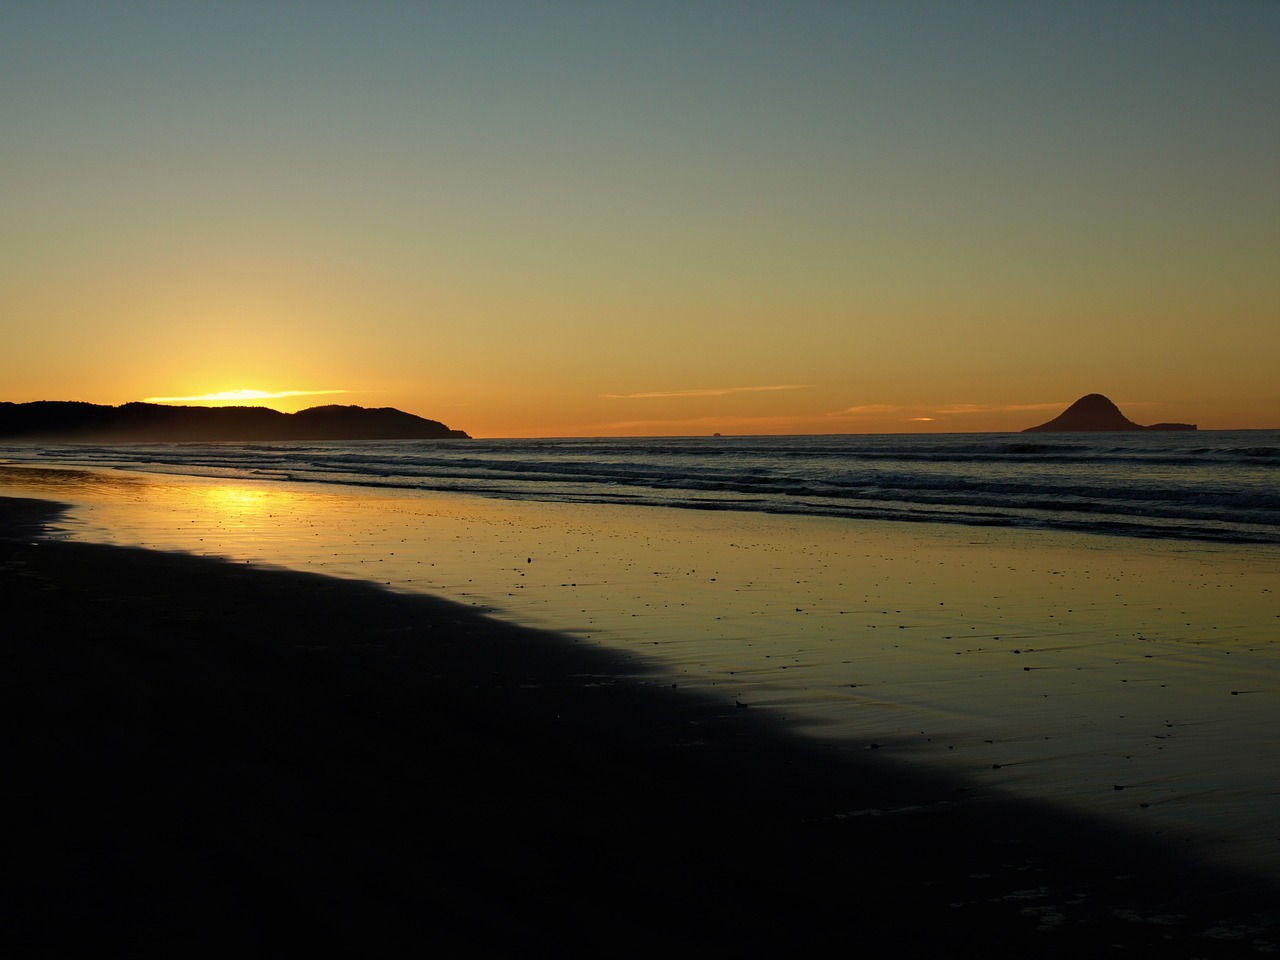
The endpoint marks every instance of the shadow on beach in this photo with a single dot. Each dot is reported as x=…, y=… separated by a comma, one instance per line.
x=205, y=757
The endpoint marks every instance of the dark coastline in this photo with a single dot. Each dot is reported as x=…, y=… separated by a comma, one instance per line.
x=75, y=422
x=207, y=757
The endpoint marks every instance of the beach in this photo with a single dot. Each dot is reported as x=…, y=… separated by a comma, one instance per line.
x=564, y=730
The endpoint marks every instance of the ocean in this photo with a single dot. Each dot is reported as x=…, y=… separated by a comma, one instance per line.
x=1214, y=486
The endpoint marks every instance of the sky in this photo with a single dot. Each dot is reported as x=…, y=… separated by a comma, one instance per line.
x=651, y=218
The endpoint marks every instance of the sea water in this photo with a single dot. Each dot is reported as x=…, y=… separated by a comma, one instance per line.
x=1211, y=485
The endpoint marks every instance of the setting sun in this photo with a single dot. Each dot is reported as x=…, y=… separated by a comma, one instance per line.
x=241, y=396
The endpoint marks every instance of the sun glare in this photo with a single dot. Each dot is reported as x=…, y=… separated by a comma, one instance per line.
x=242, y=510
x=241, y=396
x=235, y=498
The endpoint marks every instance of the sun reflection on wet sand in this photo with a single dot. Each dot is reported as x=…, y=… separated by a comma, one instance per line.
x=237, y=502
x=1124, y=676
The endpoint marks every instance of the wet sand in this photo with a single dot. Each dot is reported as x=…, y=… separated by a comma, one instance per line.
x=206, y=756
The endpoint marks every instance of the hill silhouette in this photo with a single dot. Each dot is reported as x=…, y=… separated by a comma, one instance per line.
x=56, y=420
x=1094, y=413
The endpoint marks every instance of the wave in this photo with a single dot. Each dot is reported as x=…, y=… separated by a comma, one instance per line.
x=1215, y=486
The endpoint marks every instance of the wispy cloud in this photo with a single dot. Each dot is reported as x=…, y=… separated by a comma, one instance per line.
x=871, y=410
x=881, y=410
x=866, y=416
x=888, y=412
x=232, y=396
x=956, y=409
x=699, y=425
x=704, y=392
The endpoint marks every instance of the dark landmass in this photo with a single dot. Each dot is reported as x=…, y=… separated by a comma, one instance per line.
x=56, y=420
x=202, y=758
x=1094, y=413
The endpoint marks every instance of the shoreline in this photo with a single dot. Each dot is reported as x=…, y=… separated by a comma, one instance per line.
x=226, y=757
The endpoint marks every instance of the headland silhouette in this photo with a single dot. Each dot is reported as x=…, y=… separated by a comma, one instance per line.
x=58, y=420
x=1094, y=413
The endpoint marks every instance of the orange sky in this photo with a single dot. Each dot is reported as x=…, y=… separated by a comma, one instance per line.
x=653, y=219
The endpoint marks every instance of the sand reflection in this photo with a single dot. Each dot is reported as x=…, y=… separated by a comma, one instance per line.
x=237, y=503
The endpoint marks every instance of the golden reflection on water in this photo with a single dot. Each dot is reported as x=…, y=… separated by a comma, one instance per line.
x=246, y=509
x=236, y=499
x=42, y=481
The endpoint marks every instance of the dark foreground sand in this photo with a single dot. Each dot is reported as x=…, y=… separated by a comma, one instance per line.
x=205, y=758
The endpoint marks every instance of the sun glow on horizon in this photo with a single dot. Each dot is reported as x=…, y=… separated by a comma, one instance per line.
x=241, y=396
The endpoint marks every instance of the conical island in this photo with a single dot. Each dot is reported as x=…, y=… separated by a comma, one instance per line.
x=1094, y=413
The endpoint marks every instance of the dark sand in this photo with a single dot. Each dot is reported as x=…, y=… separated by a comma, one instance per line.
x=207, y=758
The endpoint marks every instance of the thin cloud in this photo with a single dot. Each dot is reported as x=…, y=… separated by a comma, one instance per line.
x=957, y=409
x=870, y=410
x=707, y=425
x=230, y=396
x=921, y=413
x=704, y=392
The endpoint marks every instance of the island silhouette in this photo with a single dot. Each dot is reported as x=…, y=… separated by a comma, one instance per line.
x=62, y=420
x=1094, y=413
